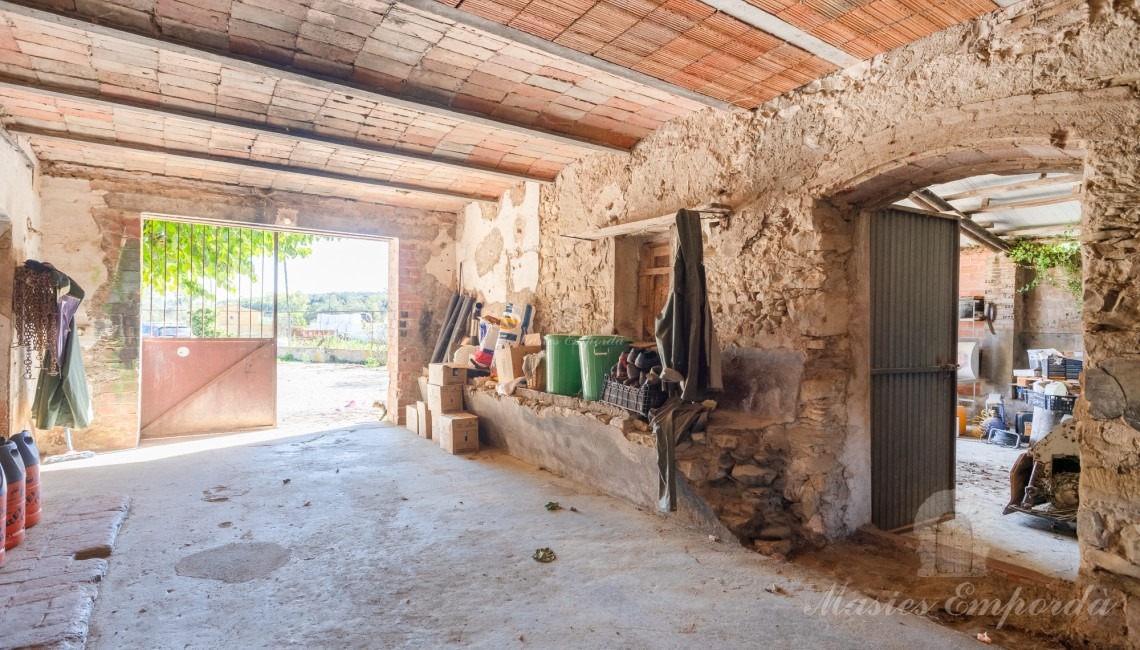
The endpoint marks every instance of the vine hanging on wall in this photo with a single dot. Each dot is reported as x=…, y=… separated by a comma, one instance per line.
x=1042, y=257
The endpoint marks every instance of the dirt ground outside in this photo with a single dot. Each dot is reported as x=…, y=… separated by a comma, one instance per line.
x=1017, y=538
x=330, y=394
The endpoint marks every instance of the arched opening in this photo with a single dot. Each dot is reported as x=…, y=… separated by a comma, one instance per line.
x=999, y=193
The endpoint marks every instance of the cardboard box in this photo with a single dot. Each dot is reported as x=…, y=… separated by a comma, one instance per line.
x=446, y=374
x=1026, y=381
x=508, y=361
x=457, y=432
x=423, y=414
x=444, y=399
x=411, y=418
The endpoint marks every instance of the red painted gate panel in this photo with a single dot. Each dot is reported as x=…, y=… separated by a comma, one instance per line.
x=195, y=386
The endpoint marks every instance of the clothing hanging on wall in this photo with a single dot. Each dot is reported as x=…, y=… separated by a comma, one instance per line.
x=63, y=398
x=688, y=346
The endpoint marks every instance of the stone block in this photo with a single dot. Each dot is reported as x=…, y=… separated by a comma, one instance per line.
x=753, y=475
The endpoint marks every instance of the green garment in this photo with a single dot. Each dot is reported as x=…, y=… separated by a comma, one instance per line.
x=686, y=338
x=64, y=400
x=687, y=343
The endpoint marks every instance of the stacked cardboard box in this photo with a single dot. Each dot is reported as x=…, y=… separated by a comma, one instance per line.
x=442, y=419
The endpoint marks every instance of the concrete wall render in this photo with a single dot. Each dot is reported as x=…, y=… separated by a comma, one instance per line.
x=19, y=241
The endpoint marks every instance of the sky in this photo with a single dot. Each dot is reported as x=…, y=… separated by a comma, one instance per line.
x=341, y=265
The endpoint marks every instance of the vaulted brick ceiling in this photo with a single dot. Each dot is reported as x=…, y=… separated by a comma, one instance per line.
x=417, y=102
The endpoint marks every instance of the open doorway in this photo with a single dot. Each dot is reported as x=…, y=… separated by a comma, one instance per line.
x=333, y=336
x=248, y=328
x=1017, y=327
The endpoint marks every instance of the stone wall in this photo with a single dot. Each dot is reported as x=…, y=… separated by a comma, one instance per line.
x=1108, y=414
x=498, y=248
x=19, y=240
x=92, y=224
x=1030, y=87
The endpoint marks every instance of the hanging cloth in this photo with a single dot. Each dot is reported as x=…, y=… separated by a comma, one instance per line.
x=686, y=340
x=64, y=399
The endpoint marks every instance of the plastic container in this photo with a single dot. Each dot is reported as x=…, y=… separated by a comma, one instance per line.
x=31, y=457
x=597, y=355
x=3, y=513
x=563, y=370
x=13, y=467
x=639, y=399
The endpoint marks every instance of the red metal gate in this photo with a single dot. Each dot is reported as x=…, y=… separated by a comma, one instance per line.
x=209, y=350
x=193, y=386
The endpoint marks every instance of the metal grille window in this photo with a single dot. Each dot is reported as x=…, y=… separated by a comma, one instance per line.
x=207, y=281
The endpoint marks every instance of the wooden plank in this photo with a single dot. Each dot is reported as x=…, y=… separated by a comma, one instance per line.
x=968, y=227
x=647, y=226
x=658, y=270
x=1040, y=181
x=1031, y=203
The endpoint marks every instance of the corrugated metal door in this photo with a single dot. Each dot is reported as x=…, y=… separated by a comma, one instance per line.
x=914, y=298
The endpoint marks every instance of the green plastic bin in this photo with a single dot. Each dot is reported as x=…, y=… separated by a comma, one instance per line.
x=563, y=372
x=598, y=355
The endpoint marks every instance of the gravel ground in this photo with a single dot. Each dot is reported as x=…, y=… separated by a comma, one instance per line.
x=329, y=393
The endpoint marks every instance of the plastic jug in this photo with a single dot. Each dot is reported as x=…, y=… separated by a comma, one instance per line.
x=31, y=457
x=13, y=467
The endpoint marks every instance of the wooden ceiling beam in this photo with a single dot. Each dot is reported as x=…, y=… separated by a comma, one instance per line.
x=262, y=129
x=1041, y=181
x=967, y=226
x=36, y=135
x=1006, y=206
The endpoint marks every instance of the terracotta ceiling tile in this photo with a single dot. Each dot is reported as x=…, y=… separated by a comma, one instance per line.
x=639, y=8
x=803, y=17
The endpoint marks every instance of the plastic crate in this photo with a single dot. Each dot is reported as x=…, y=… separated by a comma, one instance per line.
x=1060, y=403
x=1073, y=368
x=1055, y=368
x=639, y=399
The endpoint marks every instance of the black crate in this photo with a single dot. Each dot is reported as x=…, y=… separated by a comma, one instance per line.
x=633, y=398
x=1060, y=403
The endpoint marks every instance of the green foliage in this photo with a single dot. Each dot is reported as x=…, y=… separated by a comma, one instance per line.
x=202, y=323
x=1063, y=254
x=187, y=256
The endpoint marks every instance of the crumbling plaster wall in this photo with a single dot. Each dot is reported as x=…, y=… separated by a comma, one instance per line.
x=497, y=245
x=92, y=223
x=19, y=240
x=1021, y=88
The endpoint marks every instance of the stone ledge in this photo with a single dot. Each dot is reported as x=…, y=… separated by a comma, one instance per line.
x=48, y=584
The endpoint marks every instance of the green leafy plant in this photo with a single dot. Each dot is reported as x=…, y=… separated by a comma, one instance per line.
x=1063, y=254
x=193, y=258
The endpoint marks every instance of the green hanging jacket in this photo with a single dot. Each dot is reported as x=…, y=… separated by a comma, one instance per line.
x=64, y=399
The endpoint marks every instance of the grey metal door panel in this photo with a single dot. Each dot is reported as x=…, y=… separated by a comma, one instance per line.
x=914, y=294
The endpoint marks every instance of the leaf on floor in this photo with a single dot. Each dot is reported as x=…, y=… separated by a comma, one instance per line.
x=544, y=554
x=552, y=506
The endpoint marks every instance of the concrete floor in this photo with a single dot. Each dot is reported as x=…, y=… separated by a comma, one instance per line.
x=369, y=536
x=1020, y=539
